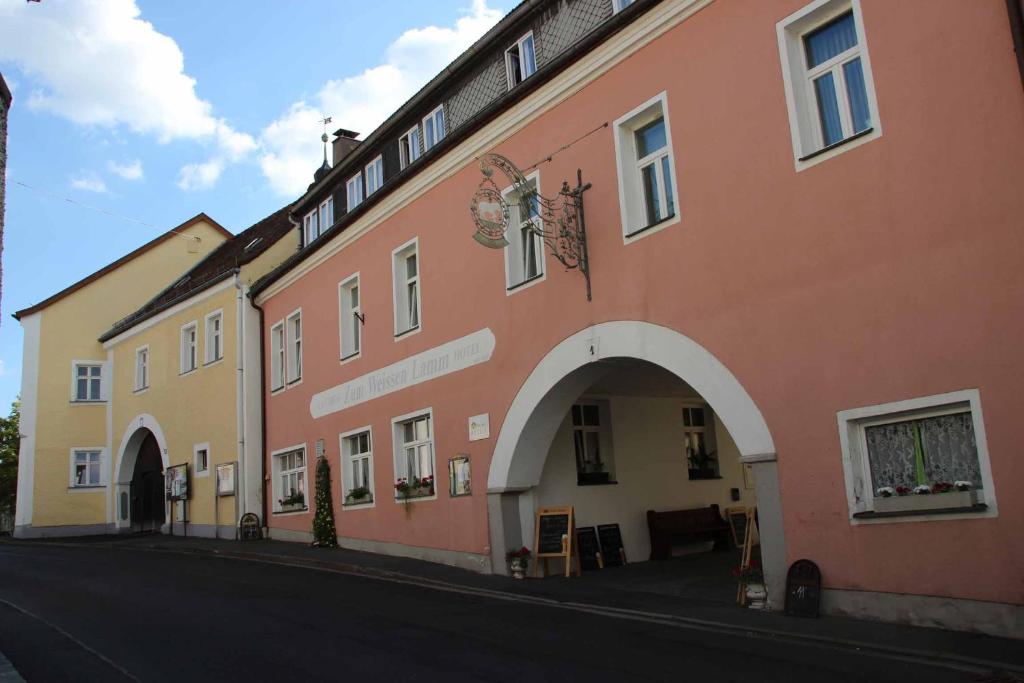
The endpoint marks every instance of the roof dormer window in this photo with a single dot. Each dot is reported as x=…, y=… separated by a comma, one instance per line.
x=520, y=60
x=317, y=221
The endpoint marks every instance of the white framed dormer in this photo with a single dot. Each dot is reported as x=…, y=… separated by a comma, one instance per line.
x=433, y=127
x=201, y=461
x=277, y=374
x=141, y=374
x=188, y=356
x=374, y=175
x=409, y=146
x=289, y=478
x=354, y=191
x=350, y=319
x=356, y=448
x=317, y=221
x=525, y=255
x=88, y=382
x=293, y=348
x=645, y=162
x=405, y=274
x=828, y=81
x=87, y=469
x=520, y=60
x=919, y=441
x=412, y=437
x=213, y=337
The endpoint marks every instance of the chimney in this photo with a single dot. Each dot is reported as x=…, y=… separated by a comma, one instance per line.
x=344, y=142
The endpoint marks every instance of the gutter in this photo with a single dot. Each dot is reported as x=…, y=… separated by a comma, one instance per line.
x=1015, y=8
x=263, y=415
x=240, y=490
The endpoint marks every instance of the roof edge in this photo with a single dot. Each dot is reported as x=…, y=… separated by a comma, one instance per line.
x=109, y=268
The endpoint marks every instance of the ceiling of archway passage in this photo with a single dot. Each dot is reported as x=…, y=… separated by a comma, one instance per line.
x=631, y=377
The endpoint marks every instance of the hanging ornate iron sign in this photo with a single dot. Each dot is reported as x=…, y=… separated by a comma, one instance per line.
x=558, y=221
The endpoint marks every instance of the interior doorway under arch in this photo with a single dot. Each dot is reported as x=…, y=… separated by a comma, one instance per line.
x=579, y=363
x=146, y=490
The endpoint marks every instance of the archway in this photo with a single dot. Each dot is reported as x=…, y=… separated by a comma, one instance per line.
x=541, y=405
x=139, y=483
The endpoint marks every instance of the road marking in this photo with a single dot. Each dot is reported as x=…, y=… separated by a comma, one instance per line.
x=109, y=662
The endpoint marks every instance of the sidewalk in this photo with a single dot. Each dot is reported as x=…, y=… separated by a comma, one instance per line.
x=955, y=649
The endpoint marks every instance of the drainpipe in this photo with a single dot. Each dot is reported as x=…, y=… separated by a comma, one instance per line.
x=263, y=415
x=1016, y=11
x=239, y=403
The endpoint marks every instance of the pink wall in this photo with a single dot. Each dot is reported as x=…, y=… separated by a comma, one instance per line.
x=892, y=271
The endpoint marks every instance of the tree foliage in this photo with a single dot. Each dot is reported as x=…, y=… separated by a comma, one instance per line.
x=324, y=534
x=10, y=443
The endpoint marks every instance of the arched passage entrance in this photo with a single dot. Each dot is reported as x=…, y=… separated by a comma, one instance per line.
x=139, y=488
x=575, y=364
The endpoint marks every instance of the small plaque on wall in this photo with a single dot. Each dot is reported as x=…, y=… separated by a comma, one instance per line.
x=480, y=427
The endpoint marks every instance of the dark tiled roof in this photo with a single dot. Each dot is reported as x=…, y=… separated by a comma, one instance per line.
x=219, y=264
x=170, y=234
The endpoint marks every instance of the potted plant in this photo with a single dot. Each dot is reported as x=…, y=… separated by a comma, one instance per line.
x=751, y=581
x=937, y=496
x=702, y=464
x=358, y=496
x=518, y=560
x=295, y=500
x=593, y=473
x=417, y=487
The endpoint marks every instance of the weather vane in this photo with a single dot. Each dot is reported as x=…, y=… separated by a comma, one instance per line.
x=325, y=120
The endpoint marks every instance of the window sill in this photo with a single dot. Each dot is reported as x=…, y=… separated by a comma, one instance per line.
x=356, y=504
x=87, y=489
x=652, y=226
x=87, y=402
x=871, y=514
x=519, y=285
x=834, y=145
x=293, y=383
x=140, y=390
x=416, y=497
x=288, y=513
x=408, y=331
x=350, y=357
x=610, y=482
x=187, y=372
x=702, y=478
x=213, y=362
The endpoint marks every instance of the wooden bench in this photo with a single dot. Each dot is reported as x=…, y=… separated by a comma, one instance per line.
x=681, y=526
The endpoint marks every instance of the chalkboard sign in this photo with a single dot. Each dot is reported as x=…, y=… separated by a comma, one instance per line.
x=554, y=537
x=588, y=548
x=737, y=518
x=612, y=551
x=249, y=527
x=803, y=589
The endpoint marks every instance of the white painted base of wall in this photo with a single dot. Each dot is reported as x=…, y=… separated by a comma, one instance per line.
x=208, y=531
x=452, y=558
x=955, y=614
x=28, y=531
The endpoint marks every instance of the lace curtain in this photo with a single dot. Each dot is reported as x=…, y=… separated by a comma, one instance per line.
x=947, y=452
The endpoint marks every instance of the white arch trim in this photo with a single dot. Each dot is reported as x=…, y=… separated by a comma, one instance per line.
x=126, y=456
x=518, y=462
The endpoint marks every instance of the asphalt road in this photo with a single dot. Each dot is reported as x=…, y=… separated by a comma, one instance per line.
x=91, y=613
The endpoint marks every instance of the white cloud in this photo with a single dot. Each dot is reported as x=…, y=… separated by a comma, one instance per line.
x=291, y=145
x=97, y=63
x=200, y=176
x=131, y=171
x=89, y=182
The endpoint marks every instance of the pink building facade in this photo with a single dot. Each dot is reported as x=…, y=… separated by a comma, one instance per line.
x=804, y=243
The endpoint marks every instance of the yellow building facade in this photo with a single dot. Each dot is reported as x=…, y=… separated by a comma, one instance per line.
x=144, y=367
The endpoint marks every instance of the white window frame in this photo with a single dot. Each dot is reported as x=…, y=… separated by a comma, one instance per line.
x=374, y=175
x=102, y=465
x=354, y=191
x=189, y=352
x=400, y=289
x=293, y=348
x=277, y=356
x=856, y=468
x=407, y=151
x=277, y=473
x=213, y=338
x=401, y=468
x=318, y=220
x=142, y=357
x=604, y=435
x=102, y=365
x=633, y=212
x=347, y=457
x=196, y=449
x=801, y=101
x=350, y=325
x=708, y=430
x=514, y=251
x=619, y=5
x=433, y=118
x=519, y=48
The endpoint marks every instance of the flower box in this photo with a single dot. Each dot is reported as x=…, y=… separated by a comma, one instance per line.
x=418, y=492
x=359, y=500
x=927, y=501
x=292, y=507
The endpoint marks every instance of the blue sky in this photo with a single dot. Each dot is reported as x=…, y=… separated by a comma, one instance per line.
x=157, y=110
